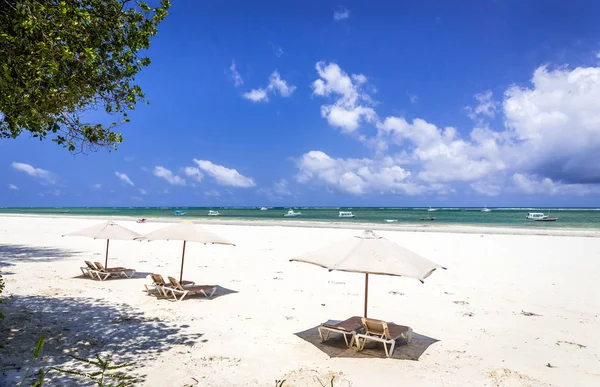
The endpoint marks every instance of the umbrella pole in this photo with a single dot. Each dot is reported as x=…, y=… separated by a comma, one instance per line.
x=366, y=292
x=182, y=259
x=106, y=257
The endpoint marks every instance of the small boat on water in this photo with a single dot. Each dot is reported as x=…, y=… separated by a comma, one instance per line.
x=346, y=214
x=391, y=220
x=213, y=213
x=142, y=220
x=428, y=218
x=292, y=213
x=178, y=213
x=540, y=217
x=485, y=209
x=263, y=208
x=432, y=209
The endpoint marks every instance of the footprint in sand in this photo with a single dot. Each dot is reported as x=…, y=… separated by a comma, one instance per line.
x=503, y=377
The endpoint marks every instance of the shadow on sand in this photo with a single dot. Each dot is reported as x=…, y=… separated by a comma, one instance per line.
x=26, y=253
x=84, y=327
x=335, y=346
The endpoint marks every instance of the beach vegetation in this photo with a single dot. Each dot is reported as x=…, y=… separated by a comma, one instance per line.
x=63, y=60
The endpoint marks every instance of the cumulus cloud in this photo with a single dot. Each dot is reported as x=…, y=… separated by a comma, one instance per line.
x=276, y=86
x=486, y=106
x=257, y=95
x=341, y=14
x=124, y=178
x=356, y=176
x=38, y=173
x=168, y=175
x=549, y=143
x=225, y=176
x=351, y=106
x=13, y=187
x=193, y=173
x=235, y=75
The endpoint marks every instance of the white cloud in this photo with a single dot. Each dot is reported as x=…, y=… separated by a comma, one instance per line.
x=97, y=186
x=212, y=193
x=38, y=173
x=549, y=144
x=143, y=191
x=356, y=176
x=193, y=173
x=257, y=95
x=341, y=14
x=235, y=75
x=276, y=86
x=350, y=108
x=168, y=175
x=13, y=187
x=124, y=178
x=486, y=106
x=225, y=176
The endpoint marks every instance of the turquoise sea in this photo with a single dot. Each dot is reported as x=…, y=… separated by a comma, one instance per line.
x=506, y=217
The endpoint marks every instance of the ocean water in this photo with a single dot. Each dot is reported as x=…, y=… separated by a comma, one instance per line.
x=506, y=217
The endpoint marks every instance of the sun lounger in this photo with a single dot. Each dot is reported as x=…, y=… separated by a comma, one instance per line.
x=92, y=271
x=115, y=271
x=178, y=291
x=158, y=283
x=347, y=328
x=383, y=332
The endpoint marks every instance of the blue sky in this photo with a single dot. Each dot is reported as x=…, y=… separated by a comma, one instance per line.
x=422, y=103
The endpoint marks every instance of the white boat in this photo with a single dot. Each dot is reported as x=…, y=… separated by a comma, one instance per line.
x=540, y=217
x=432, y=209
x=391, y=220
x=292, y=213
x=346, y=214
x=485, y=209
x=263, y=208
x=213, y=213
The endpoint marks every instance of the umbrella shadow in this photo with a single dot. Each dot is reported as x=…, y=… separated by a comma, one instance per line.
x=27, y=253
x=93, y=327
x=335, y=346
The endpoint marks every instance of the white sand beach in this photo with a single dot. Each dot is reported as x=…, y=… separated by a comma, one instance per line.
x=511, y=310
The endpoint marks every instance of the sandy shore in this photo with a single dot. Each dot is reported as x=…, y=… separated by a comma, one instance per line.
x=472, y=322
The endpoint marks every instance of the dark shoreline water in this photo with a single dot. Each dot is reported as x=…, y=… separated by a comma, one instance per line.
x=588, y=218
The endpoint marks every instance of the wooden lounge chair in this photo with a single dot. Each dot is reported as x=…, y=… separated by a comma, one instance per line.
x=115, y=271
x=347, y=328
x=383, y=332
x=178, y=291
x=92, y=271
x=158, y=283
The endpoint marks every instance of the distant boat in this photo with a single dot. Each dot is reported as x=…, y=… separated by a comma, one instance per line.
x=292, y=213
x=346, y=214
x=540, y=217
x=428, y=218
x=263, y=208
x=178, y=213
x=485, y=209
x=213, y=213
x=432, y=209
x=391, y=220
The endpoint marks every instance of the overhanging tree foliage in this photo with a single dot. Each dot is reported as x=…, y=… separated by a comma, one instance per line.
x=62, y=58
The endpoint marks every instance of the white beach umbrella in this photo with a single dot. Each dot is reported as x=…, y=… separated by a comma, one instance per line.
x=186, y=232
x=370, y=253
x=107, y=230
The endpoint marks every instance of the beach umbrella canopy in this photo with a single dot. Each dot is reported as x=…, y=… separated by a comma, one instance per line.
x=186, y=232
x=107, y=230
x=370, y=253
